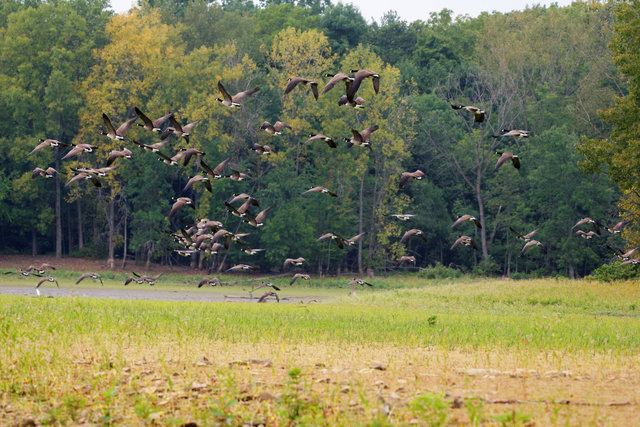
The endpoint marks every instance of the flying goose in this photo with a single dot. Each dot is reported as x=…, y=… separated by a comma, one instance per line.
x=198, y=178
x=293, y=261
x=360, y=76
x=352, y=241
x=178, y=130
x=244, y=196
x=78, y=149
x=403, y=217
x=357, y=103
x=215, y=173
x=413, y=232
x=114, y=133
x=42, y=268
x=166, y=159
x=187, y=153
x=320, y=189
x=294, y=81
x=243, y=267
x=634, y=261
x=214, y=281
x=154, y=148
x=299, y=276
x=233, y=101
x=250, y=251
x=335, y=78
x=48, y=143
x=258, y=221
x=361, y=138
x=94, y=276
x=406, y=258
x=99, y=171
x=150, y=125
x=515, y=133
x=531, y=243
x=339, y=240
x=617, y=228
x=47, y=173
x=46, y=279
x=466, y=241
x=588, y=220
x=404, y=177
x=525, y=237
x=25, y=273
x=274, y=129
x=358, y=282
x=115, y=154
x=264, y=285
x=320, y=137
x=180, y=202
x=85, y=175
x=506, y=155
x=586, y=235
x=264, y=297
x=261, y=149
x=478, y=114
x=130, y=279
x=238, y=176
x=151, y=280
x=464, y=218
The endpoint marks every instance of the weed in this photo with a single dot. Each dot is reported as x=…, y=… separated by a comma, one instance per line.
x=513, y=418
x=431, y=408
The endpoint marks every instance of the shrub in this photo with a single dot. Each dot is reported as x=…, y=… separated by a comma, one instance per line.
x=439, y=271
x=614, y=271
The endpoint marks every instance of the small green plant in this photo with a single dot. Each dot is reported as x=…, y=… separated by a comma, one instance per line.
x=72, y=404
x=431, y=408
x=431, y=320
x=513, y=418
x=144, y=409
x=474, y=409
x=108, y=395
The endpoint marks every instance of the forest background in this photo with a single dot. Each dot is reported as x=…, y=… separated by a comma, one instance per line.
x=568, y=74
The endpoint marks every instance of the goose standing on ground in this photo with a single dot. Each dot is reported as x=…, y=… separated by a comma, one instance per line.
x=116, y=133
x=295, y=81
x=299, y=276
x=360, y=76
x=48, y=143
x=466, y=241
x=180, y=202
x=214, y=281
x=464, y=218
x=504, y=156
x=47, y=173
x=413, y=232
x=361, y=138
x=320, y=137
x=274, y=129
x=478, y=114
x=153, y=126
x=405, y=176
x=233, y=101
x=320, y=189
x=531, y=243
x=94, y=276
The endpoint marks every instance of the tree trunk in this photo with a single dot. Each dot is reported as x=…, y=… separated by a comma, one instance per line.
x=111, y=263
x=58, y=216
x=124, y=250
x=483, y=230
x=361, y=225
x=34, y=242
x=80, y=236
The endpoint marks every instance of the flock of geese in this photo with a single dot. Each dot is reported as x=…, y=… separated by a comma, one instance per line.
x=208, y=237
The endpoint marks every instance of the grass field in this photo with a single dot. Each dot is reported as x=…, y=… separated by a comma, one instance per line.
x=544, y=352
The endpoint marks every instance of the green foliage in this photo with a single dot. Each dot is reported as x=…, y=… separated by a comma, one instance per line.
x=439, y=271
x=614, y=271
x=431, y=408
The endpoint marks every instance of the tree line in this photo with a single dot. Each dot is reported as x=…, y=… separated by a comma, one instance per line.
x=550, y=70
